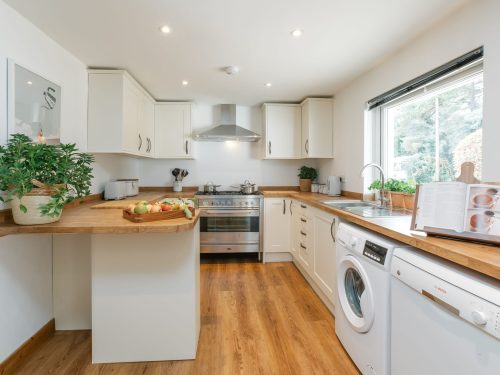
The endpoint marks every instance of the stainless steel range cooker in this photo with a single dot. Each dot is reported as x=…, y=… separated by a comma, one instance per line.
x=230, y=222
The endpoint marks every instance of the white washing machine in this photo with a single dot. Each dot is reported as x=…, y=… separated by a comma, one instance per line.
x=362, y=315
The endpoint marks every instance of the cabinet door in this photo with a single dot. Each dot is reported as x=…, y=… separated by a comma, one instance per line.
x=317, y=128
x=172, y=130
x=276, y=225
x=133, y=142
x=282, y=131
x=324, y=253
x=146, y=126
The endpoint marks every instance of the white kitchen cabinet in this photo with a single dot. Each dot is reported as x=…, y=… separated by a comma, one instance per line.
x=276, y=225
x=304, y=235
x=282, y=131
x=317, y=128
x=173, y=130
x=119, y=114
x=323, y=269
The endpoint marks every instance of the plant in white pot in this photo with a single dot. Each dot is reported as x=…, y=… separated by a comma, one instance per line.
x=40, y=179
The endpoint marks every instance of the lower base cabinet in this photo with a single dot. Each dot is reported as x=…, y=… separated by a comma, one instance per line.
x=312, y=245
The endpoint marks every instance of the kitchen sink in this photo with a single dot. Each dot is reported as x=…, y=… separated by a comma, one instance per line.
x=345, y=204
x=375, y=211
x=365, y=209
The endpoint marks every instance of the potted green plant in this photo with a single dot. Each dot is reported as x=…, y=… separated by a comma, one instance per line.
x=306, y=176
x=40, y=179
x=401, y=193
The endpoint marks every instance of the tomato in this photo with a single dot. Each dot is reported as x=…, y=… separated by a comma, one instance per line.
x=166, y=207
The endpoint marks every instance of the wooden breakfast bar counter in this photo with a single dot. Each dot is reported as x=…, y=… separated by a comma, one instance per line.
x=145, y=281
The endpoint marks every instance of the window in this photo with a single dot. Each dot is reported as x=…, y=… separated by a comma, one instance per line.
x=427, y=132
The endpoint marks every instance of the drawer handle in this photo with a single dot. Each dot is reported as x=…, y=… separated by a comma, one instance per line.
x=303, y=220
x=302, y=233
x=303, y=206
x=331, y=230
x=302, y=246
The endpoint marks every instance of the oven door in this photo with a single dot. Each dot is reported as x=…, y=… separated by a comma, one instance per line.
x=229, y=230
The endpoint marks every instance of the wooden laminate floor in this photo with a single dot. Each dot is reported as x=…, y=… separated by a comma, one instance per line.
x=255, y=319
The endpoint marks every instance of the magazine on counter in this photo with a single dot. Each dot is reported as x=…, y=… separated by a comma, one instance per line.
x=457, y=209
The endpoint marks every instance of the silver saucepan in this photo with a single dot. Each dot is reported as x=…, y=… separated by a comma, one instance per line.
x=209, y=187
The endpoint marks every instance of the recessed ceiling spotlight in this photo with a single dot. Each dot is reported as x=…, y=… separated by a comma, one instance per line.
x=269, y=84
x=185, y=83
x=165, y=29
x=29, y=83
x=297, y=33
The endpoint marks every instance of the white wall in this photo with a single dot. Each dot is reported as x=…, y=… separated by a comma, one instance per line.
x=25, y=288
x=474, y=25
x=222, y=162
x=26, y=261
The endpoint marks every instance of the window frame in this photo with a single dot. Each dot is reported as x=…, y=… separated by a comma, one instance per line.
x=380, y=145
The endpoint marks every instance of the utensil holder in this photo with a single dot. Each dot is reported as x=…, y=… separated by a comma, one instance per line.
x=177, y=186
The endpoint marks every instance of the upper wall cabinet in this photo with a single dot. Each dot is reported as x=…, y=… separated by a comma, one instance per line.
x=317, y=128
x=173, y=130
x=282, y=131
x=120, y=114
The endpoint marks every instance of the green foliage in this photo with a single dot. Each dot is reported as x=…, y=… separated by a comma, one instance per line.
x=438, y=125
x=22, y=161
x=375, y=185
x=395, y=185
x=308, y=173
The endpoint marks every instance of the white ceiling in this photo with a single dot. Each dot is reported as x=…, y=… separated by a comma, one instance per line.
x=341, y=40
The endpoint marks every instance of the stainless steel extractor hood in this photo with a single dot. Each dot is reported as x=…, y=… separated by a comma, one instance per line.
x=227, y=130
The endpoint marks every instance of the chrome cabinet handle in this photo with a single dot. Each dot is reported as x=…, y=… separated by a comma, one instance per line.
x=187, y=153
x=284, y=207
x=302, y=246
x=148, y=144
x=331, y=230
x=291, y=208
x=140, y=143
x=303, y=206
x=303, y=233
x=303, y=220
x=269, y=147
x=307, y=146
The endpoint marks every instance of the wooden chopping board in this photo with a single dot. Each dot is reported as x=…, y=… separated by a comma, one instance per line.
x=121, y=204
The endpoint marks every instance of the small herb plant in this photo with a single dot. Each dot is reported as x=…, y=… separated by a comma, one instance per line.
x=307, y=173
x=394, y=185
x=63, y=171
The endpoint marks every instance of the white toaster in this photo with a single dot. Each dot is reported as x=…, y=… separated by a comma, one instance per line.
x=115, y=190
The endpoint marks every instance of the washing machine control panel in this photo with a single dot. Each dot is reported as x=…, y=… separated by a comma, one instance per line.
x=375, y=252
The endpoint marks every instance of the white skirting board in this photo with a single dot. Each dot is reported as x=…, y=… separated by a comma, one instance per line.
x=276, y=257
x=329, y=305
x=145, y=296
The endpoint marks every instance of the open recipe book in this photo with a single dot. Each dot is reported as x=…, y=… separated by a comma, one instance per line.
x=457, y=209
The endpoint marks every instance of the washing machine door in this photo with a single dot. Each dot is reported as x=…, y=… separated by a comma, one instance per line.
x=355, y=294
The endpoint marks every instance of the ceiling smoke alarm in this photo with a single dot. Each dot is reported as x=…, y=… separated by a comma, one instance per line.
x=230, y=70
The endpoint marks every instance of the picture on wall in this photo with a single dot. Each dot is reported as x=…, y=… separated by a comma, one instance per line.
x=34, y=105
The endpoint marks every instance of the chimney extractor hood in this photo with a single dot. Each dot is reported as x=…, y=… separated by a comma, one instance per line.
x=227, y=130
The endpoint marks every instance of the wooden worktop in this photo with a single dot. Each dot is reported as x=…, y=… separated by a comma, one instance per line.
x=481, y=258
x=83, y=219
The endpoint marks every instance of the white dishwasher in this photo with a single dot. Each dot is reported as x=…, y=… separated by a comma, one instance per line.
x=444, y=319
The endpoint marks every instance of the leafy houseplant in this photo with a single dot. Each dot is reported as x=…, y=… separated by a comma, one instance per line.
x=402, y=193
x=39, y=179
x=306, y=176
